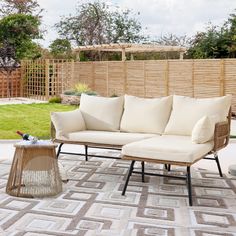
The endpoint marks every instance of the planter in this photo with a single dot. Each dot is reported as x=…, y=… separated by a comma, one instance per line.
x=70, y=99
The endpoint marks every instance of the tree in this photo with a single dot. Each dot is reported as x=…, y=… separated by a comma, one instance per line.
x=215, y=42
x=61, y=48
x=20, y=30
x=8, y=63
x=173, y=40
x=97, y=23
x=205, y=44
x=230, y=35
x=31, y=7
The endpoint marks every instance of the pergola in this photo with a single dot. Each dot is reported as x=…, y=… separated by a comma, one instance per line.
x=130, y=48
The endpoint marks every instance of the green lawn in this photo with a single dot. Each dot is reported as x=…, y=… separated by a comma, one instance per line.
x=28, y=118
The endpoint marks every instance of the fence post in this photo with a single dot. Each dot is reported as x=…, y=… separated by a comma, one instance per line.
x=22, y=73
x=144, y=78
x=125, y=75
x=72, y=73
x=93, y=76
x=47, y=78
x=193, y=79
x=107, y=78
x=167, y=77
x=222, y=77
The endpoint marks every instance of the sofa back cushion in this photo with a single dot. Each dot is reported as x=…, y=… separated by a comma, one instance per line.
x=101, y=113
x=67, y=122
x=187, y=111
x=146, y=115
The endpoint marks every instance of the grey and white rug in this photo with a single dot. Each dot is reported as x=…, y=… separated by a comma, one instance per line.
x=91, y=204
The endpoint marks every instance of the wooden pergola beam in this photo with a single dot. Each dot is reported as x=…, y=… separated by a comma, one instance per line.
x=131, y=48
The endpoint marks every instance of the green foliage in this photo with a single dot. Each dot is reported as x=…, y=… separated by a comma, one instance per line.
x=114, y=95
x=79, y=89
x=97, y=23
x=69, y=92
x=55, y=100
x=20, y=30
x=29, y=118
x=215, y=42
x=61, y=48
x=8, y=7
x=82, y=88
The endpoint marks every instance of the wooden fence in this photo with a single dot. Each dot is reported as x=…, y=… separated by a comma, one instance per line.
x=14, y=84
x=196, y=78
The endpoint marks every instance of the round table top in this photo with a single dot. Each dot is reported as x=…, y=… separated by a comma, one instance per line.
x=38, y=144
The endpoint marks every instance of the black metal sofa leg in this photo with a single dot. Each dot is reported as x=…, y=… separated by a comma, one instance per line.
x=86, y=152
x=143, y=180
x=189, y=186
x=167, y=167
x=218, y=164
x=128, y=177
x=59, y=149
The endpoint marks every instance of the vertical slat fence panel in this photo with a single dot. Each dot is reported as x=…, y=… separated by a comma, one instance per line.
x=150, y=78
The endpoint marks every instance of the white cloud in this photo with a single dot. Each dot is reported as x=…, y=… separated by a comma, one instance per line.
x=180, y=16
x=159, y=16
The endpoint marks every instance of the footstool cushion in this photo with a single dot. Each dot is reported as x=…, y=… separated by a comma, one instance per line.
x=167, y=148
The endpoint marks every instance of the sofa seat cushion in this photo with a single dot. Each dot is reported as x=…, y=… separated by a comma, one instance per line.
x=101, y=113
x=146, y=115
x=168, y=148
x=104, y=137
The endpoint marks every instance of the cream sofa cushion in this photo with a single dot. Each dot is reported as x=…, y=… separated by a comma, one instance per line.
x=107, y=137
x=101, y=113
x=66, y=122
x=168, y=148
x=146, y=115
x=203, y=130
x=187, y=111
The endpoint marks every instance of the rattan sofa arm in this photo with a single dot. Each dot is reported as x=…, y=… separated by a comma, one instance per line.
x=221, y=135
x=53, y=131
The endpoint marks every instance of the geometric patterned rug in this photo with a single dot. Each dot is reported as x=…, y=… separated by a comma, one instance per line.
x=91, y=203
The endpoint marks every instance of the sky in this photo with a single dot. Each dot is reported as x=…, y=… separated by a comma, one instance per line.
x=157, y=17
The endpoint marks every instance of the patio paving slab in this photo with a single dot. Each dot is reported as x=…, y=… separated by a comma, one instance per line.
x=19, y=100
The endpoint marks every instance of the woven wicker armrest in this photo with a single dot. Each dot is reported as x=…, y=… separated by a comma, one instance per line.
x=53, y=131
x=221, y=135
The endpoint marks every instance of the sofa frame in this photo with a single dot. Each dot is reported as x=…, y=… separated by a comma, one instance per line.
x=221, y=140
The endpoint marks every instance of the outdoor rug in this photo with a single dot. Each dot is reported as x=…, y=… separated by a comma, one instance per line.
x=91, y=203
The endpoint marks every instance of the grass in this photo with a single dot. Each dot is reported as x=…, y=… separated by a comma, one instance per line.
x=28, y=118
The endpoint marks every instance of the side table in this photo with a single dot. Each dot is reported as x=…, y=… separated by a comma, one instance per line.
x=34, y=171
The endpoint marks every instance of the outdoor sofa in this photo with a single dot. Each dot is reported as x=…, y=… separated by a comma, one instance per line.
x=173, y=130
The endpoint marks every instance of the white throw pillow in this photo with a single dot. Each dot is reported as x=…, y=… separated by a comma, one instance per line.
x=101, y=113
x=67, y=122
x=187, y=111
x=146, y=115
x=203, y=130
